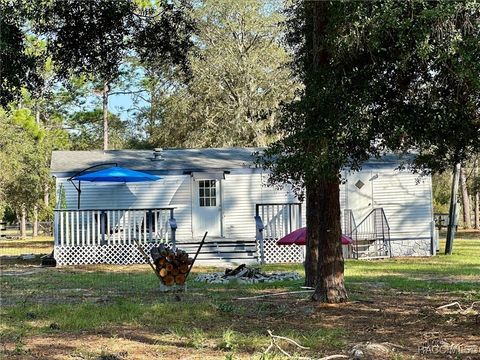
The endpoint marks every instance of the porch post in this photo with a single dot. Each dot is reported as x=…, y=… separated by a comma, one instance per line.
x=259, y=234
x=173, y=226
x=150, y=225
x=55, y=228
x=102, y=226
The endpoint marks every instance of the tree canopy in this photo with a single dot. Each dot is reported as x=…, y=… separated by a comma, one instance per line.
x=238, y=78
x=386, y=76
x=17, y=67
x=378, y=76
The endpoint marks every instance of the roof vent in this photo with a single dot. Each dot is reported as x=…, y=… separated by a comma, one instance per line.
x=157, y=154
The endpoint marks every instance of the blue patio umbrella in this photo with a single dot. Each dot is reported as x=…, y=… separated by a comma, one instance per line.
x=112, y=174
x=116, y=174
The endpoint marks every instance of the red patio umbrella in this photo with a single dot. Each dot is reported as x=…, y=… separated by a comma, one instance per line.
x=299, y=237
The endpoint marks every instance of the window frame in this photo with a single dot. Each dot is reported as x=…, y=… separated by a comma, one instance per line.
x=207, y=186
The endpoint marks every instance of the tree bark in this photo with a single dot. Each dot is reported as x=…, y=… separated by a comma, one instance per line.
x=46, y=195
x=324, y=258
x=35, y=221
x=312, y=244
x=37, y=112
x=477, y=198
x=105, y=115
x=23, y=223
x=467, y=220
x=325, y=230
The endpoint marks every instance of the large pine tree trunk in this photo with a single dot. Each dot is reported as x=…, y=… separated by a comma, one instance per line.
x=311, y=256
x=324, y=258
x=105, y=115
x=325, y=231
x=467, y=221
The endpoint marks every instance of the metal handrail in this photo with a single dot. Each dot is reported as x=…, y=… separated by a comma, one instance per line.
x=385, y=230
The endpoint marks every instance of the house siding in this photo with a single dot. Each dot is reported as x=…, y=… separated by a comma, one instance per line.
x=170, y=191
x=406, y=200
x=241, y=192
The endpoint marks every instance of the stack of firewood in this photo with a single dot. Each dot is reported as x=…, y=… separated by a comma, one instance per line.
x=172, y=266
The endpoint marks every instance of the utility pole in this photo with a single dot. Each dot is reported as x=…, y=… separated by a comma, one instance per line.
x=452, y=211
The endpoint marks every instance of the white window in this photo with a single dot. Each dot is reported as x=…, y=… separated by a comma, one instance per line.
x=207, y=192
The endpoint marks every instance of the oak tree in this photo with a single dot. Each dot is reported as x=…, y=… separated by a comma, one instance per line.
x=378, y=76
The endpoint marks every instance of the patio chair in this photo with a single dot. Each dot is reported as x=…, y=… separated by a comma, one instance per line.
x=108, y=230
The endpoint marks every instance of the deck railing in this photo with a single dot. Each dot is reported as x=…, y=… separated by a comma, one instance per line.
x=372, y=236
x=94, y=227
x=274, y=221
x=279, y=219
x=348, y=222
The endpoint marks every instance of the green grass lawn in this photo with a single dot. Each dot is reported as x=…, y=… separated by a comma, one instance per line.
x=106, y=301
x=16, y=247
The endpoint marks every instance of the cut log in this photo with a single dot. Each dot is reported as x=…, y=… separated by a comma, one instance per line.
x=233, y=272
x=180, y=279
x=163, y=272
x=180, y=253
x=155, y=254
x=171, y=266
x=168, y=280
x=183, y=268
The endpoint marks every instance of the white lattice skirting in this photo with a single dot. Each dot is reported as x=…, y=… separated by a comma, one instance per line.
x=127, y=254
x=117, y=254
x=274, y=253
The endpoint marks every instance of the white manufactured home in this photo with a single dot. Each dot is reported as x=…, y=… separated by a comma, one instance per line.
x=385, y=211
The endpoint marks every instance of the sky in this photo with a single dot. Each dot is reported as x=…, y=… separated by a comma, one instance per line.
x=120, y=104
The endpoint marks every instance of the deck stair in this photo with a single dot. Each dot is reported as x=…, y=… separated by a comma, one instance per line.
x=218, y=250
x=371, y=237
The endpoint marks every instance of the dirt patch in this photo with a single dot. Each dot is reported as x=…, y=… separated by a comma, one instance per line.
x=22, y=271
x=409, y=322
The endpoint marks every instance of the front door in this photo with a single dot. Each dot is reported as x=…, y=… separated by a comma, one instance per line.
x=360, y=195
x=206, y=208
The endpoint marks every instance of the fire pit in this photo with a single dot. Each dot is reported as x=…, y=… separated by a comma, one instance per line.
x=245, y=275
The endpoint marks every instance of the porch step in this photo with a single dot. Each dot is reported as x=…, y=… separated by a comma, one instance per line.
x=221, y=250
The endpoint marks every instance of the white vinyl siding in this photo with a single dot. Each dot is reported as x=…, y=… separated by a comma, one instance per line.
x=169, y=191
x=406, y=200
x=241, y=192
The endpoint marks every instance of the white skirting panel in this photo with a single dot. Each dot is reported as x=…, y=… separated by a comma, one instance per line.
x=117, y=254
x=275, y=254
